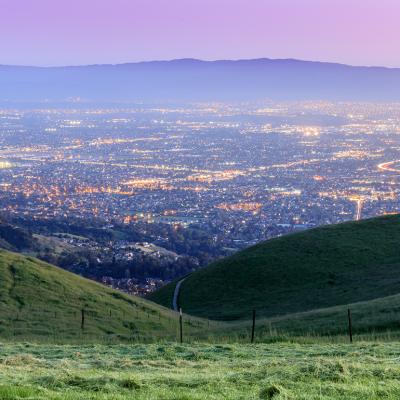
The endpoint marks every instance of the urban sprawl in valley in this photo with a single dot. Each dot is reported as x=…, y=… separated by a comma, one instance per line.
x=192, y=183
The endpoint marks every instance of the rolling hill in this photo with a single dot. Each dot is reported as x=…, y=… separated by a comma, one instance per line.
x=300, y=284
x=316, y=269
x=196, y=80
x=39, y=301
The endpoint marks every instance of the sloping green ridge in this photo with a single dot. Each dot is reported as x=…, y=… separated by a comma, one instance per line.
x=38, y=300
x=322, y=267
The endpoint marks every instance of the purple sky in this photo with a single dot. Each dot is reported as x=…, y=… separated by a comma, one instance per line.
x=65, y=32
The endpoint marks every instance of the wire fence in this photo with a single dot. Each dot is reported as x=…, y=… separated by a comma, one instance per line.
x=139, y=324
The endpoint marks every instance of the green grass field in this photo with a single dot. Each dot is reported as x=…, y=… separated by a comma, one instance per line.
x=319, y=268
x=372, y=319
x=41, y=302
x=128, y=346
x=367, y=371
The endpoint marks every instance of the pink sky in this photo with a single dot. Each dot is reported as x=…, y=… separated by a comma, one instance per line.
x=65, y=32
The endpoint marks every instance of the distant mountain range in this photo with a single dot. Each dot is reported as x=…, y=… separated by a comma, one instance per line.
x=194, y=80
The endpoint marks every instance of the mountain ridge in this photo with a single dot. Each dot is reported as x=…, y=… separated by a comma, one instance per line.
x=201, y=61
x=184, y=80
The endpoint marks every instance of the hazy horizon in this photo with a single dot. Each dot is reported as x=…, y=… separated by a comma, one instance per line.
x=143, y=61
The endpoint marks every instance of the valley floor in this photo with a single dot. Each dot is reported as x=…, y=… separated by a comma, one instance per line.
x=200, y=371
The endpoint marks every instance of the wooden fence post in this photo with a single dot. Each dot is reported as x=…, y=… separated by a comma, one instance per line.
x=82, y=319
x=253, y=326
x=350, y=326
x=180, y=326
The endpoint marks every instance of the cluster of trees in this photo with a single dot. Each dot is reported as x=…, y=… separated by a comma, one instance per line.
x=139, y=268
x=16, y=238
x=194, y=247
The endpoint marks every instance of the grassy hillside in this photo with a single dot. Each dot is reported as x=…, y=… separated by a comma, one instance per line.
x=319, y=268
x=39, y=301
x=371, y=320
x=280, y=371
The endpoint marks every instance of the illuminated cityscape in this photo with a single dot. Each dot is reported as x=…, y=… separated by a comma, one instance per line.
x=239, y=173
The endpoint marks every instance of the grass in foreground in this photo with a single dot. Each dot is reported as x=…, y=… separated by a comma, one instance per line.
x=181, y=372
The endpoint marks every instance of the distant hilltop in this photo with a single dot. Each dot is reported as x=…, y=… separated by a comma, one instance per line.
x=324, y=267
x=195, y=80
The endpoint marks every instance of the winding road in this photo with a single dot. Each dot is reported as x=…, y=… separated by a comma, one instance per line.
x=175, y=299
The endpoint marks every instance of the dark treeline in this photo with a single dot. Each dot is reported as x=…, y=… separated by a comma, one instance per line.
x=98, y=254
